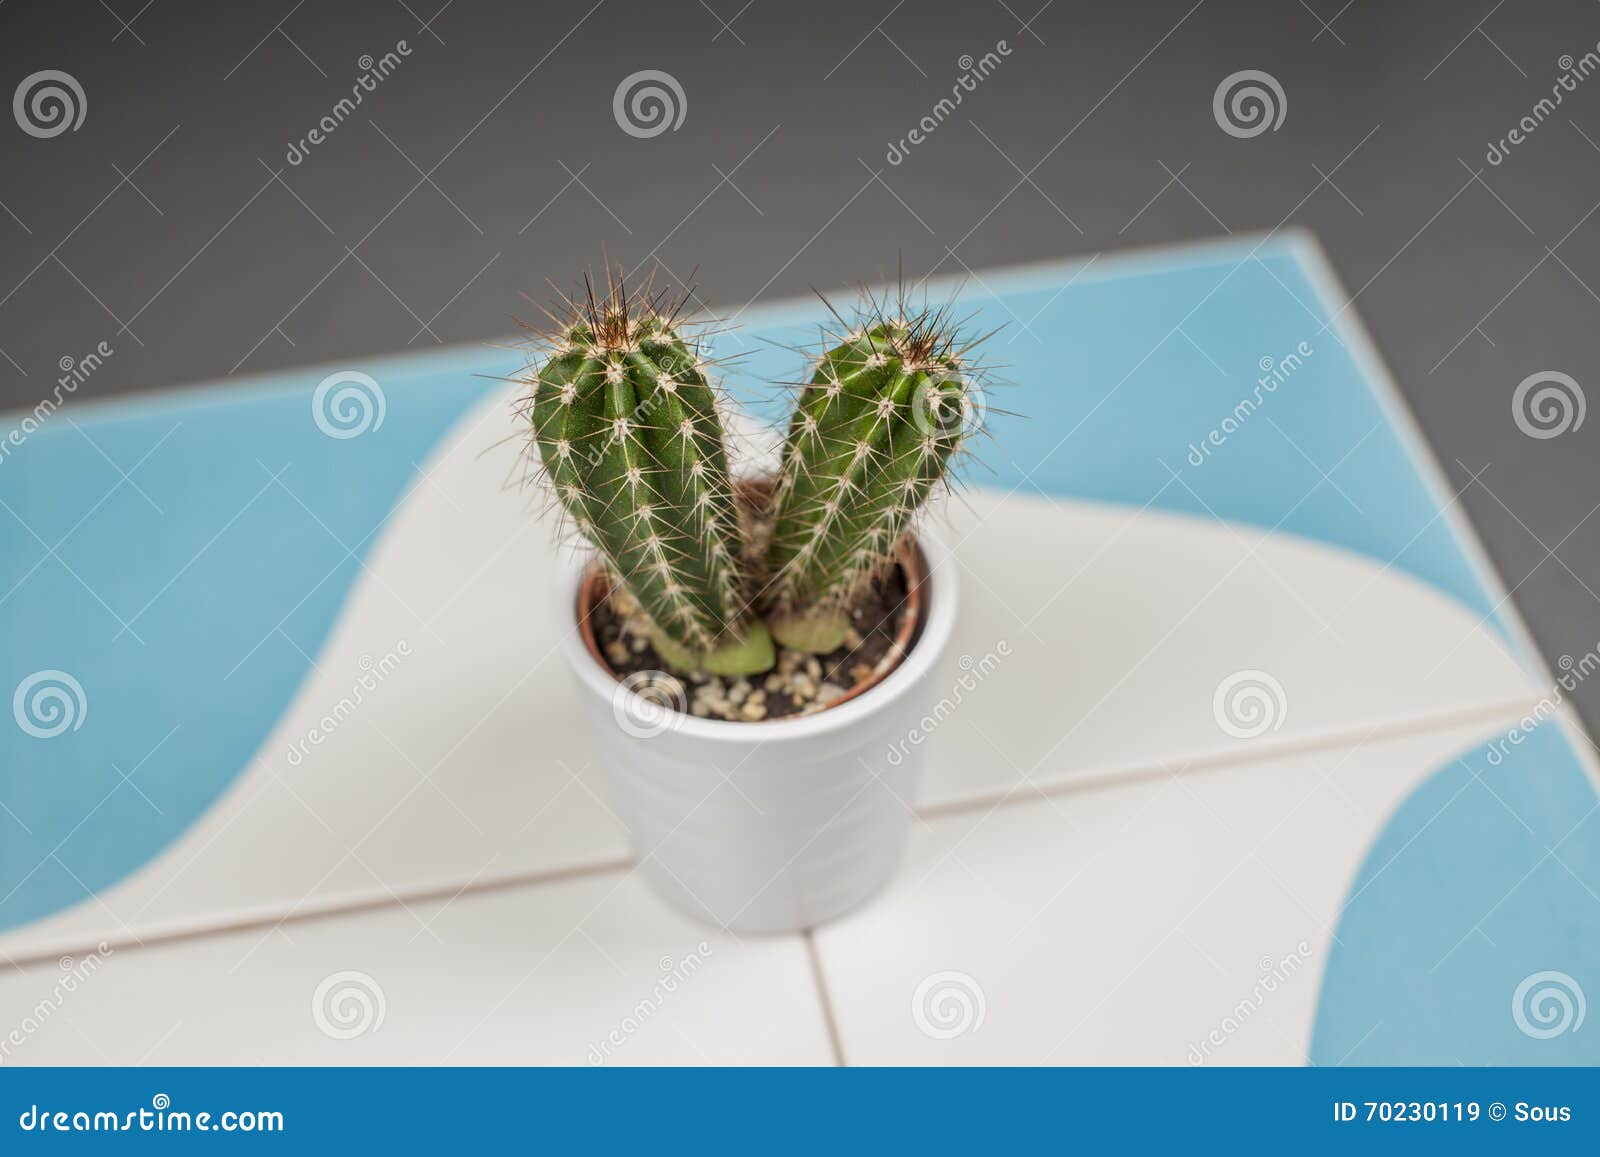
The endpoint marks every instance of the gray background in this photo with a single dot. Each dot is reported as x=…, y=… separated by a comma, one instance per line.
x=171, y=225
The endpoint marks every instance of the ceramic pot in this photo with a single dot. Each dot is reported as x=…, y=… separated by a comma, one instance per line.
x=774, y=825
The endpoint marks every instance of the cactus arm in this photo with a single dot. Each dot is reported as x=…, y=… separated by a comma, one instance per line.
x=627, y=432
x=568, y=421
x=872, y=435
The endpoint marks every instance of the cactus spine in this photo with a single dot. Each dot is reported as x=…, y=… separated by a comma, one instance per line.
x=626, y=425
x=872, y=434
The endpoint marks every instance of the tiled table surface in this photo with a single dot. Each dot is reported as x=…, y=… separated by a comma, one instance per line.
x=1106, y=867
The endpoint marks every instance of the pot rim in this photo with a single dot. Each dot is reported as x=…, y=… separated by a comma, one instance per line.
x=937, y=623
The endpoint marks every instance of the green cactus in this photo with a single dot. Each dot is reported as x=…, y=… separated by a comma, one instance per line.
x=627, y=430
x=871, y=435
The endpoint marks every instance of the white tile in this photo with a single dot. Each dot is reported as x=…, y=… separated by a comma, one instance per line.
x=1123, y=924
x=1106, y=632
x=584, y=971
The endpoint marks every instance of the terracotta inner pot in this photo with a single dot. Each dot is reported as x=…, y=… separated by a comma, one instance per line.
x=913, y=566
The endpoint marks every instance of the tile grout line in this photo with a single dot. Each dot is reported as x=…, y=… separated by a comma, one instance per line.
x=824, y=997
x=1022, y=794
x=1423, y=724
x=446, y=892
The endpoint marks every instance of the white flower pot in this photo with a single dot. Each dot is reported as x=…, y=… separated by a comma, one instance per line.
x=775, y=825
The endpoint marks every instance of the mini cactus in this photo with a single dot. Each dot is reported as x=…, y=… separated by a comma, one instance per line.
x=872, y=434
x=626, y=425
x=625, y=422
